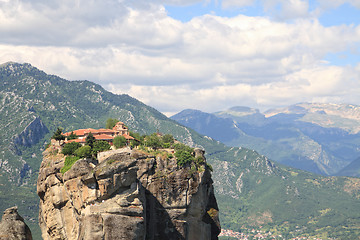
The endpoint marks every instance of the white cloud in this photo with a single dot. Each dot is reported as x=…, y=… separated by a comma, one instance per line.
x=326, y=4
x=210, y=62
x=179, y=2
x=237, y=3
x=85, y=24
x=318, y=84
x=287, y=9
x=279, y=9
x=295, y=9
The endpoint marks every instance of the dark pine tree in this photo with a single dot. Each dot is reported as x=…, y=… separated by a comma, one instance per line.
x=90, y=139
x=58, y=136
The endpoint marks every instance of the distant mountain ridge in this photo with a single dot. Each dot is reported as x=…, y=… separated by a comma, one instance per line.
x=252, y=191
x=343, y=116
x=352, y=170
x=321, y=138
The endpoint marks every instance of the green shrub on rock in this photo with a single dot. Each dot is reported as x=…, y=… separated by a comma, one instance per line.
x=153, y=141
x=168, y=140
x=100, y=146
x=83, y=152
x=184, y=157
x=119, y=141
x=70, y=148
x=69, y=161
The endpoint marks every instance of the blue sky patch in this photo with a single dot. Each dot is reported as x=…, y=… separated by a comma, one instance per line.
x=345, y=14
x=345, y=58
x=186, y=13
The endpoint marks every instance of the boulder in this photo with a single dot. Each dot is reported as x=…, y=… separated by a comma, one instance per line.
x=13, y=227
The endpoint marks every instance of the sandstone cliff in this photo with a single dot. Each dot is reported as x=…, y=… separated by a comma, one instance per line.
x=13, y=227
x=128, y=195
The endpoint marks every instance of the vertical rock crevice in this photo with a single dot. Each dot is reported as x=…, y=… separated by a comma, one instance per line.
x=32, y=133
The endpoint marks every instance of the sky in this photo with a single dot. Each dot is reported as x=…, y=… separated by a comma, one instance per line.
x=191, y=54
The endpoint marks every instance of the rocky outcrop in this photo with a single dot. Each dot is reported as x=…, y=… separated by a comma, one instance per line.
x=32, y=134
x=128, y=195
x=13, y=227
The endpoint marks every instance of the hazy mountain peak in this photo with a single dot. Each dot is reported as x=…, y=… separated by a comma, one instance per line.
x=329, y=115
x=238, y=111
x=343, y=110
x=187, y=111
x=293, y=109
x=243, y=109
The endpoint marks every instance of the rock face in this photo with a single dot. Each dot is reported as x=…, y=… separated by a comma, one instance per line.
x=13, y=227
x=32, y=134
x=128, y=195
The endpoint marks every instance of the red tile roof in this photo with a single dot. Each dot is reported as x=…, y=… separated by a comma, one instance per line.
x=128, y=137
x=103, y=137
x=79, y=140
x=81, y=132
x=105, y=130
x=100, y=134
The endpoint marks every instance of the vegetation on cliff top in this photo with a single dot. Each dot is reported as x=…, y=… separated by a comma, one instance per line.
x=152, y=143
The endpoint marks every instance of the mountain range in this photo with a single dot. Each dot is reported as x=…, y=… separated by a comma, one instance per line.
x=320, y=138
x=252, y=191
